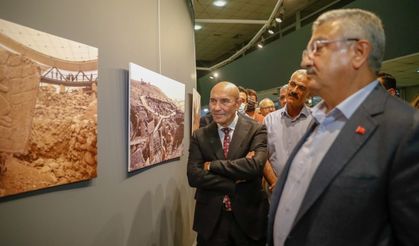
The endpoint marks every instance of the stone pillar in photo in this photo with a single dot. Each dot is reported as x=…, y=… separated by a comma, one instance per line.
x=19, y=82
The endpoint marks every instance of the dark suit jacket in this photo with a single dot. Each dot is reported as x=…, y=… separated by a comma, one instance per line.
x=366, y=189
x=249, y=203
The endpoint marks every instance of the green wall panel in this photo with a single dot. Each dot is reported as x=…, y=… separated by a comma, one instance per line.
x=271, y=66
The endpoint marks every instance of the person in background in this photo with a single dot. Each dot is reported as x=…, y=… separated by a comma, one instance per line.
x=266, y=106
x=205, y=120
x=225, y=165
x=388, y=82
x=415, y=102
x=252, y=101
x=353, y=177
x=243, y=99
x=283, y=95
x=286, y=126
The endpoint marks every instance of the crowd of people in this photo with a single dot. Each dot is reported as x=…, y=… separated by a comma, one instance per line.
x=344, y=172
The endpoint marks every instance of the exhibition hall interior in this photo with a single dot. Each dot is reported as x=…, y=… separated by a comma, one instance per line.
x=101, y=102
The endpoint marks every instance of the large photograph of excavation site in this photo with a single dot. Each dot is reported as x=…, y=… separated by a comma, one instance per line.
x=48, y=110
x=156, y=118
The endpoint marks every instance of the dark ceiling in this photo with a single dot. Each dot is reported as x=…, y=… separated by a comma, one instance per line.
x=228, y=29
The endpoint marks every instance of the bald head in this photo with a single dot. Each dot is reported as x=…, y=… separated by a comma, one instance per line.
x=224, y=102
x=227, y=87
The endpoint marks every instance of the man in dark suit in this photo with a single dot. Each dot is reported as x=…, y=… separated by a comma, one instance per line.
x=226, y=167
x=353, y=177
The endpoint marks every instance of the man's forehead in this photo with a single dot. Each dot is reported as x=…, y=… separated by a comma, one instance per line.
x=327, y=30
x=299, y=79
x=301, y=82
x=221, y=96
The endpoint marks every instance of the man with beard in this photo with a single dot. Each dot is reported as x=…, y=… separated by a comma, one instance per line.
x=286, y=126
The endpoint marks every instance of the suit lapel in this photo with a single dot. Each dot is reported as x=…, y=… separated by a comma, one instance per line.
x=214, y=141
x=359, y=128
x=240, y=132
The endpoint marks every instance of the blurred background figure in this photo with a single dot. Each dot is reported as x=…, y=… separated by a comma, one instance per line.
x=283, y=95
x=415, y=102
x=252, y=102
x=243, y=99
x=266, y=106
x=388, y=82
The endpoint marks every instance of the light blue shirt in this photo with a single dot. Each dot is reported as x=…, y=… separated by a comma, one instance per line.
x=309, y=157
x=284, y=133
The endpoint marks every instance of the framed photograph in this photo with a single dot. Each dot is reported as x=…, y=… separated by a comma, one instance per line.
x=156, y=118
x=48, y=110
x=196, y=109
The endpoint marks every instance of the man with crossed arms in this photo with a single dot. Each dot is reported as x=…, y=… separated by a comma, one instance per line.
x=226, y=160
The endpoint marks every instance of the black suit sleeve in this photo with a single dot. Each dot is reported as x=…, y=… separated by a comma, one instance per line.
x=246, y=168
x=198, y=177
x=404, y=188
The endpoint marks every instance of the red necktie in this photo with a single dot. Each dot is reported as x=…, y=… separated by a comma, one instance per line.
x=226, y=144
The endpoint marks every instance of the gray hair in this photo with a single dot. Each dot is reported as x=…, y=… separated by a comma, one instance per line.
x=284, y=87
x=302, y=72
x=358, y=23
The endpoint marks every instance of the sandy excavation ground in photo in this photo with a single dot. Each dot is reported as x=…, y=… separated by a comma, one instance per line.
x=48, y=141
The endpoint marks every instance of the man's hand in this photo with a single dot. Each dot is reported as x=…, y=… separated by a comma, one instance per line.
x=250, y=155
x=207, y=165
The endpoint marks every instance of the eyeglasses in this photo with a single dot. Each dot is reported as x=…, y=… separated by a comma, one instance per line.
x=316, y=45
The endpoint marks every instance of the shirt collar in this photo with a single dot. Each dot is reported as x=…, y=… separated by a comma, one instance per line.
x=347, y=107
x=304, y=112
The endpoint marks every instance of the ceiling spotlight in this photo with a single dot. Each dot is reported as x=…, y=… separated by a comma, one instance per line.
x=270, y=31
x=215, y=75
x=260, y=45
x=278, y=19
x=220, y=3
x=197, y=27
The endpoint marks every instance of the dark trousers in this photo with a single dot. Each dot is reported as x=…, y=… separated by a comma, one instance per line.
x=228, y=233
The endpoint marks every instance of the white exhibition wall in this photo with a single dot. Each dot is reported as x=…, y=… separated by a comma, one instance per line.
x=149, y=207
